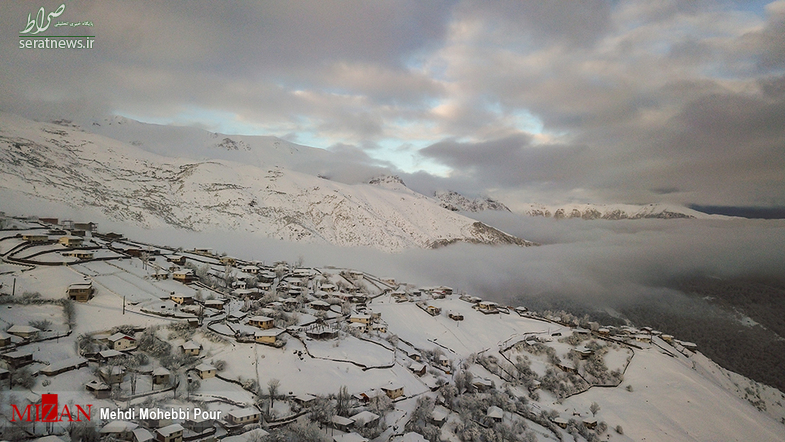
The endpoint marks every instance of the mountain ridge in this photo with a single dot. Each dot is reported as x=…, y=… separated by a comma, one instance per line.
x=65, y=164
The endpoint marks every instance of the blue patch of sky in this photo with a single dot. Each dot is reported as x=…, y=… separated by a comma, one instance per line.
x=757, y=7
x=406, y=156
x=522, y=119
x=311, y=139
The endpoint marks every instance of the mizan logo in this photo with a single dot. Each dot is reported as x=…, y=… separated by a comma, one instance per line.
x=49, y=411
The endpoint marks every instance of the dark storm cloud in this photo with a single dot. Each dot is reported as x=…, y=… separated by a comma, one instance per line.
x=511, y=161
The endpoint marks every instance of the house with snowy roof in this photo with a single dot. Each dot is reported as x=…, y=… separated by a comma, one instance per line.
x=488, y=307
x=112, y=374
x=161, y=376
x=71, y=241
x=182, y=298
x=122, y=430
x=393, y=391
x=495, y=413
x=170, y=433
x=243, y=416
x=205, y=371
x=121, y=342
x=418, y=368
x=18, y=358
x=191, y=348
x=64, y=365
x=142, y=434
x=216, y=304
x=360, y=318
x=24, y=331
x=341, y=423
x=80, y=292
x=268, y=336
x=263, y=322
x=364, y=419
x=79, y=254
x=99, y=389
x=5, y=339
x=183, y=275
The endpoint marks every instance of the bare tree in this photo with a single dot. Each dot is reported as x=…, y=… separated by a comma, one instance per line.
x=342, y=401
x=193, y=386
x=272, y=389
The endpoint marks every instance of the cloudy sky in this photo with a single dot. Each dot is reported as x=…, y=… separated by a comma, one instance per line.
x=575, y=101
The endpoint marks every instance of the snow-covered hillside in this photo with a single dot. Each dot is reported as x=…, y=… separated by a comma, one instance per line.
x=268, y=152
x=199, y=144
x=456, y=202
x=612, y=211
x=348, y=356
x=65, y=164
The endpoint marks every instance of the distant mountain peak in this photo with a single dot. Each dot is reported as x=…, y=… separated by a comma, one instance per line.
x=452, y=200
x=611, y=211
x=230, y=144
x=386, y=180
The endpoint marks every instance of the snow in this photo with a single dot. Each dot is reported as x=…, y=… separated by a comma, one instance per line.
x=248, y=195
x=612, y=211
x=351, y=349
x=673, y=402
x=461, y=338
x=676, y=396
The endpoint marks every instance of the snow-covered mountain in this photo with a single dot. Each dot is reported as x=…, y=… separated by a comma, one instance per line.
x=63, y=163
x=612, y=211
x=456, y=202
x=199, y=144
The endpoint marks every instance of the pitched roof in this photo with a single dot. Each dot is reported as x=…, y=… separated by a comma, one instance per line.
x=349, y=437
x=118, y=427
x=142, y=435
x=244, y=412
x=169, y=429
x=269, y=332
x=117, y=336
x=340, y=420
x=495, y=412
x=191, y=345
x=22, y=329
x=364, y=417
x=161, y=371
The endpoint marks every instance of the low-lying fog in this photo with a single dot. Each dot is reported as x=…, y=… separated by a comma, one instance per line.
x=634, y=269
x=604, y=263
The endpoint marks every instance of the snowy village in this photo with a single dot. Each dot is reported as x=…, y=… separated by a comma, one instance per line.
x=106, y=338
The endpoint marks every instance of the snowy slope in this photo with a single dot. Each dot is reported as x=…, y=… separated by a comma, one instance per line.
x=199, y=144
x=67, y=165
x=267, y=151
x=612, y=211
x=455, y=201
x=674, y=395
